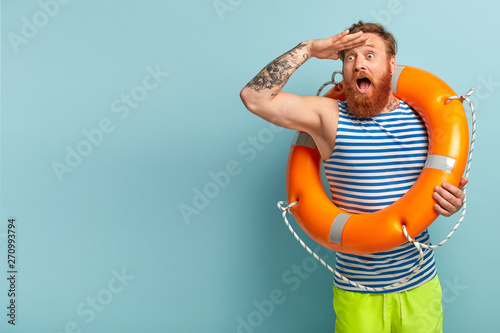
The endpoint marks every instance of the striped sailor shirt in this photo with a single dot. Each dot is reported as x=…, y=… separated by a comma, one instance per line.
x=375, y=162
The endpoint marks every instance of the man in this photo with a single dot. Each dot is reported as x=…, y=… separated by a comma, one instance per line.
x=373, y=147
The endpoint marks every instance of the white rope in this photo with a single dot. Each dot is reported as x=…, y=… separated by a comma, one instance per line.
x=286, y=209
x=332, y=81
x=418, y=245
x=467, y=170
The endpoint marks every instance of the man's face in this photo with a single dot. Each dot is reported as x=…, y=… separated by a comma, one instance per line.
x=367, y=76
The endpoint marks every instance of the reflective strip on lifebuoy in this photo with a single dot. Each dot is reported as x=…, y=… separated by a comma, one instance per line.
x=382, y=230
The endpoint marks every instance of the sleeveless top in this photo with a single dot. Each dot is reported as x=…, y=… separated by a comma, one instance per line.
x=375, y=162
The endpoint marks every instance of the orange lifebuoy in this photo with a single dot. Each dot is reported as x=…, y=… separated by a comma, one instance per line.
x=341, y=231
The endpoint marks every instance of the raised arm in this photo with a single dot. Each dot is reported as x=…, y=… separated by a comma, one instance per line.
x=264, y=97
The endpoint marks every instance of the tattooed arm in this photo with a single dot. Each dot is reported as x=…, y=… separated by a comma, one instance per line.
x=274, y=76
x=263, y=95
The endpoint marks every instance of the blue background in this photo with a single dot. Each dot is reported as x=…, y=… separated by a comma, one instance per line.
x=105, y=247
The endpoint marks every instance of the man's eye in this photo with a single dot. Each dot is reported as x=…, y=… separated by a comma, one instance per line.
x=370, y=56
x=350, y=58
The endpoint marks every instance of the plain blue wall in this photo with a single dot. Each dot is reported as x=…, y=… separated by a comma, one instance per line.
x=148, y=92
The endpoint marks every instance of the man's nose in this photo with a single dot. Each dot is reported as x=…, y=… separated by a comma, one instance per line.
x=360, y=65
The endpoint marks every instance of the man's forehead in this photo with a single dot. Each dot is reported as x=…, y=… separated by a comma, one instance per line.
x=374, y=41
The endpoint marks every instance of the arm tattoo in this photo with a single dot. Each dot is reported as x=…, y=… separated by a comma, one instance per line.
x=277, y=72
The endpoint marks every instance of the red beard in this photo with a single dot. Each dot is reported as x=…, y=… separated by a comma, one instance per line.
x=373, y=103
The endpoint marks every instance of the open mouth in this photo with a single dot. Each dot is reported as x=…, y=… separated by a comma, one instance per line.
x=363, y=84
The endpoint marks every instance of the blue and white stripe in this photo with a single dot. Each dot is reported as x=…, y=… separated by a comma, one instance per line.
x=375, y=162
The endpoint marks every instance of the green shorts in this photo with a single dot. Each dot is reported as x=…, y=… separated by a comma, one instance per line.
x=413, y=311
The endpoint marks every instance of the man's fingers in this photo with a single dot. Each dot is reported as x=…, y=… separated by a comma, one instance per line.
x=446, y=201
x=441, y=211
x=455, y=191
x=463, y=182
x=449, y=198
x=345, y=40
x=340, y=35
x=351, y=41
x=328, y=48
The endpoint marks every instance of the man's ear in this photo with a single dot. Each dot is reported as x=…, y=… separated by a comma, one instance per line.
x=392, y=64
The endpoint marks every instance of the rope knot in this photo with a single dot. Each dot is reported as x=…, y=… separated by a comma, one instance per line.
x=462, y=98
x=285, y=207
